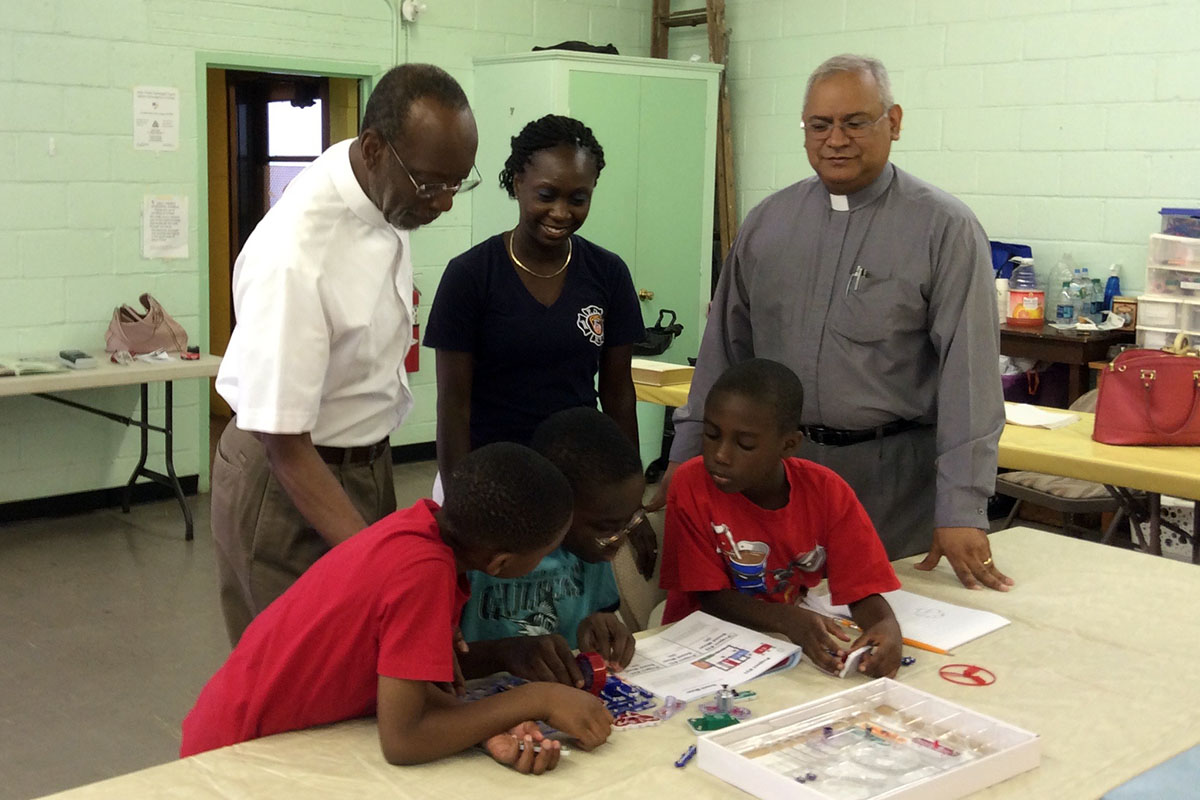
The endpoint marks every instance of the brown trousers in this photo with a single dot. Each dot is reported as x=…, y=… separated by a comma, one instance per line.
x=262, y=543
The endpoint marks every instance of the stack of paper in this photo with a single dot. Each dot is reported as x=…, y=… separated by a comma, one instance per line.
x=923, y=620
x=659, y=373
x=1034, y=417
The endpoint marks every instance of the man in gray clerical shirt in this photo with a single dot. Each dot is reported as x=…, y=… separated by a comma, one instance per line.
x=876, y=289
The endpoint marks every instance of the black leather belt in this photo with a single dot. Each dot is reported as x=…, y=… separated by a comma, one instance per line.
x=836, y=437
x=352, y=455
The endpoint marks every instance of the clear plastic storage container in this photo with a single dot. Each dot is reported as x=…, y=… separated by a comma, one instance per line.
x=1181, y=221
x=1160, y=312
x=1174, y=251
x=1155, y=338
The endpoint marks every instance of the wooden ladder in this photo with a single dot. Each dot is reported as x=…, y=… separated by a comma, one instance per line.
x=713, y=16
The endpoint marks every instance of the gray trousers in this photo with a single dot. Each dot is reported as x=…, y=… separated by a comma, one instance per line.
x=262, y=543
x=895, y=479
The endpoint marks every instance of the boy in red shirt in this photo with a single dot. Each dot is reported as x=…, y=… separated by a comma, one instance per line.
x=747, y=522
x=369, y=629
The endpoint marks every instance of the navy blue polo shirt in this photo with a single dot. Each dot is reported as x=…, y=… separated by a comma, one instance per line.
x=531, y=360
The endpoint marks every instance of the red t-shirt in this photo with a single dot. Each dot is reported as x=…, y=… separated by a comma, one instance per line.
x=777, y=555
x=384, y=602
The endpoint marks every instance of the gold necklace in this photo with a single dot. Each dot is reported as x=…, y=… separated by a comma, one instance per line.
x=517, y=261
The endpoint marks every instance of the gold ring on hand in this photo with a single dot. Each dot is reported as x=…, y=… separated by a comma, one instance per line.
x=988, y=562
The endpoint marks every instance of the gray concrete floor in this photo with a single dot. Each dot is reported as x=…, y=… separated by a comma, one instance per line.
x=109, y=627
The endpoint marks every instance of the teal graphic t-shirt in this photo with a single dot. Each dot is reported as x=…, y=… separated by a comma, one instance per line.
x=560, y=592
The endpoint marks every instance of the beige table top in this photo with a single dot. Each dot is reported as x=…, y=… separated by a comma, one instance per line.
x=1070, y=451
x=1099, y=661
x=673, y=395
x=107, y=373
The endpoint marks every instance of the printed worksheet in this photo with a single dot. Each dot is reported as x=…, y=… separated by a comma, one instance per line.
x=700, y=654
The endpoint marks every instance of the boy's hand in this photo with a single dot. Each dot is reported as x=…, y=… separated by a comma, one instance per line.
x=540, y=658
x=507, y=749
x=603, y=633
x=576, y=713
x=884, y=660
x=813, y=632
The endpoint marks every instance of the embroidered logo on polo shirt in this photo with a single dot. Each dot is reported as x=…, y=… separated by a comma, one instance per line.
x=591, y=322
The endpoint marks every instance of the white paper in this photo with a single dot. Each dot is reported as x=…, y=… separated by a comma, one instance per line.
x=700, y=654
x=1034, y=417
x=155, y=118
x=923, y=619
x=164, y=226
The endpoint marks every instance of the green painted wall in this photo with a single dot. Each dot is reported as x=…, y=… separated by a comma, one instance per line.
x=69, y=222
x=1065, y=124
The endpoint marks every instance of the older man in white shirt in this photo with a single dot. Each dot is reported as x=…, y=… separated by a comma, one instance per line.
x=315, y=367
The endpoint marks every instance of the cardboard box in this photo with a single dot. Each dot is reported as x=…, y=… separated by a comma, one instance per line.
x=744, y=755
x=658, y=373
x=1128, y=308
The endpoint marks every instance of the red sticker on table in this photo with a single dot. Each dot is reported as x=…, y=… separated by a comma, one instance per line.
x=967, y=675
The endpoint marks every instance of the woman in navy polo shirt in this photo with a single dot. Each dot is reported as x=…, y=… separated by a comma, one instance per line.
x=524, y=322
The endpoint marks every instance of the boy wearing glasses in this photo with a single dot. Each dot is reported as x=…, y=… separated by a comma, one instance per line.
x=528, y=626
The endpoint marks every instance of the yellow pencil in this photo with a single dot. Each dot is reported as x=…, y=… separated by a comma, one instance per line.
x=845, y=623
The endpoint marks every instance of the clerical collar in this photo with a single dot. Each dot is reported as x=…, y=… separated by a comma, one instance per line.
x=864, y=196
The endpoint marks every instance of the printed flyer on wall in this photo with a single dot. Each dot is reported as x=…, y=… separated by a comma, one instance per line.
x=700, y=654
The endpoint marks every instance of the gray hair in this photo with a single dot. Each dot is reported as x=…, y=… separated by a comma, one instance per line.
x=848, y=62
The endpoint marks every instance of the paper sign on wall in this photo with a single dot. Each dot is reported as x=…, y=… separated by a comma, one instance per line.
x=164, y=226
x=155, y=118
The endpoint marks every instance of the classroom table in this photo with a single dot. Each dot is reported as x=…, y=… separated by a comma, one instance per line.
x=1071, y=452
x=141, y=373
x=1098, y=661
x=1073, y=348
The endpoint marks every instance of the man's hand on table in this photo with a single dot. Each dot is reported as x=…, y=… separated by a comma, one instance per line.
x=970, y=557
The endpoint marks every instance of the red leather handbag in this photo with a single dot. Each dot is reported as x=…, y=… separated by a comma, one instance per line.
x=1150, y=397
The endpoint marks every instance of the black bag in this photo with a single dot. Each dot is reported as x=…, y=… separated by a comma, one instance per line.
x=658, y=338
x=582, y=47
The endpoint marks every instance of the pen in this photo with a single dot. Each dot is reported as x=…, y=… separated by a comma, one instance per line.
x=845, y=623
x=855, y=278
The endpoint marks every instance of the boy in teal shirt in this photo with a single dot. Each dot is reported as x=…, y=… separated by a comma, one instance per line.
x=528, y=626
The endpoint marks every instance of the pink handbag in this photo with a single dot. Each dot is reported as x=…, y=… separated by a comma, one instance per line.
x=138, y=333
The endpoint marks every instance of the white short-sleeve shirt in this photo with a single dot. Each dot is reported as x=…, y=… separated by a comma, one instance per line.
x=322, y=293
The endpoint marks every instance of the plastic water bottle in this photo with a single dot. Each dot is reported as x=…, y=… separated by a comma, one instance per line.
x=1065, y=312
x=1082, y=287
x=1112, y=288
x=1097, y=301
x=1026, y=301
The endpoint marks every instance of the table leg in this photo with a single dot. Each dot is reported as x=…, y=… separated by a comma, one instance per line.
x=144, y=433
x=1155, y=539
x=1196, y=533
x=1077, y=378
x=169, y=455
x=656, y=468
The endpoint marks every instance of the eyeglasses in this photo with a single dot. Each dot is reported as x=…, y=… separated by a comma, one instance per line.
x=638, y=518
x=853, y=128
x=428, y=191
